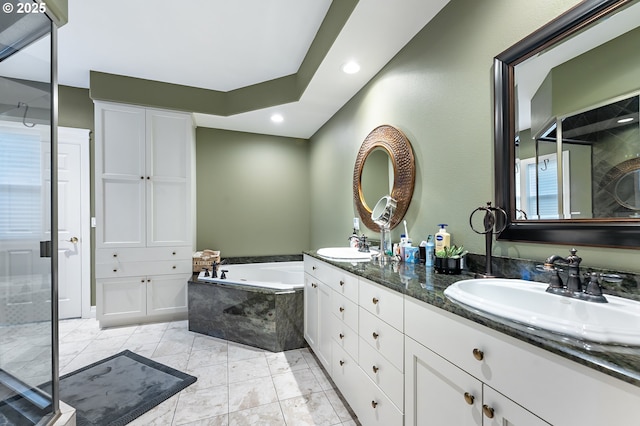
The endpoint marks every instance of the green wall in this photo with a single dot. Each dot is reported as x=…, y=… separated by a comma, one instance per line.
x=252, y=193
x=438, y=91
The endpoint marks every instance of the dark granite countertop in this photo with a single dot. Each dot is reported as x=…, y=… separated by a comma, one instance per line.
x=416, y=281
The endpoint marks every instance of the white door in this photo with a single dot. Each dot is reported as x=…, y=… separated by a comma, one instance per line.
x=73, y=232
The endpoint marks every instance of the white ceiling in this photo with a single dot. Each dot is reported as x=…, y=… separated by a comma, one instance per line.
x=223, y=45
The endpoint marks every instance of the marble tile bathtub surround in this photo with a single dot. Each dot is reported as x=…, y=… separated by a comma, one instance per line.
x=237, y=384
x=260, y=317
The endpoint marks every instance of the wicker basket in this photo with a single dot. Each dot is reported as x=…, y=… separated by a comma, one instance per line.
x=204, y=259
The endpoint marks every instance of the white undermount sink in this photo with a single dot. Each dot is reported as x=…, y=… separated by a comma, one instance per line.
x=345, y=253
x=616, y=322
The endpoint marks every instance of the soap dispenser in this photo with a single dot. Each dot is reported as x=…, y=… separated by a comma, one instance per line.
x=353, y=239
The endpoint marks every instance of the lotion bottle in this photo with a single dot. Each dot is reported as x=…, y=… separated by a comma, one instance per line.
x=443, y=239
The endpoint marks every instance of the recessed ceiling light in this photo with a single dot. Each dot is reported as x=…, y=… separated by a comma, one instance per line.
x=351, y=67
x=277, y=118
x=625, y=120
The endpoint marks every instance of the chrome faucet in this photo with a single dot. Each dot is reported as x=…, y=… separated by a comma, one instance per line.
x=574, y=288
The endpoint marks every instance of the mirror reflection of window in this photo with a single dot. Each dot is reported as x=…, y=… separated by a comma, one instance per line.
x=538, y=187
x=377, y=176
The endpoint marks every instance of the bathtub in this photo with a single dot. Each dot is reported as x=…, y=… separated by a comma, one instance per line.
x=276, y=275
x=258, y=304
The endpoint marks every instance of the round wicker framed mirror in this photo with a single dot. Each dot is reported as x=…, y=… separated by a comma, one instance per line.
x=402, y=164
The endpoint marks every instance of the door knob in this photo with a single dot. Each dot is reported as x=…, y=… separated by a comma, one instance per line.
x=74, y=240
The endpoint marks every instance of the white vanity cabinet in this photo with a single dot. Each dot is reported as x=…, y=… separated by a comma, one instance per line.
x=317, y=309
x=144, y=213
x=447, y=357
x=365, y=351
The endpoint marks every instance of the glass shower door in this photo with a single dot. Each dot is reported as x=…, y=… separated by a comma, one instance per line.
x=26, y=285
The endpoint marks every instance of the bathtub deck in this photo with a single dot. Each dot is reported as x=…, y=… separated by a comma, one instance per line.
x=266, y=319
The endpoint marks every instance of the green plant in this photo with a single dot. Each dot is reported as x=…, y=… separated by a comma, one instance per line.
x=452, y=252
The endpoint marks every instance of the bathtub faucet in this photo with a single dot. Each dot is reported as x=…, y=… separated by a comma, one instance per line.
x=214, y=268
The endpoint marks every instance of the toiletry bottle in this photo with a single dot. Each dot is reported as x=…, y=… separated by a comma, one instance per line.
x=430, y=249
x=403, y=244
x=353, y=239
x=443, y=239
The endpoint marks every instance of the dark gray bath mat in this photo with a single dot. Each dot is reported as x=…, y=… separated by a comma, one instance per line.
x=118, y=389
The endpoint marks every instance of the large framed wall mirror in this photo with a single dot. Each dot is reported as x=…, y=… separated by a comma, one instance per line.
x=567, y=135
x=384, y=165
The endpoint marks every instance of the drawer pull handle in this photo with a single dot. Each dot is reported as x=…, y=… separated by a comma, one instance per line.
x=173, y=253
x=173, y=267
x=374, y=404
x=341, y=283
x=115, y=254
x=115, y=270
x=488, y=411
x=375, y=369
x=478, y=354
x=314, y=285
x=341, y=336
x=375, y=300
x=341, y=363
x=313, y=268
x=375, y=335
x=469, y=398
x=341, y=309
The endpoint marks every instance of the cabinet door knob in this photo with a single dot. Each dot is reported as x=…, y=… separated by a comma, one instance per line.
x=478, y=354
x=148, y=280
x=314, y=285
x=341, y=283
x=374, y=404
x=375, y=300
x=341, y=336
x=375, y=369
x=173, y=267
x=115, y=270
x=341, y=309
x=141, y=177
x=375, y=335
x=488, y=411
x=148, y=177
x=142, y=280
x=313, y=268
x=115, y=254
x=469, y=398
x=173, y=253
x=341, y=363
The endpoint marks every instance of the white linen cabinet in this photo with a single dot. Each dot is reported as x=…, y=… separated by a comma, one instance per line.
x=144, y=213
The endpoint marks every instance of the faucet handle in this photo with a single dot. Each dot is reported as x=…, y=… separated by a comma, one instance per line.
x=593, y=292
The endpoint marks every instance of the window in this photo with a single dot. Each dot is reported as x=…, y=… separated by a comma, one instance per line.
x=21, y=183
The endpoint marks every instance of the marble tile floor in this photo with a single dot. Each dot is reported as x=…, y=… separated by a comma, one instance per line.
x=237, y=384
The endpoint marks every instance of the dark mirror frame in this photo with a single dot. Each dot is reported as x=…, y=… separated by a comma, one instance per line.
x=589, y=232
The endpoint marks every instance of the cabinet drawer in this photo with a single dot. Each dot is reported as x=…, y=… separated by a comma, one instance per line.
x=317, y=268
x=344, y=283
x=345, y=310
x=344, y=336
x=143, y=254
x=126, y=269
x=368, y=402
x=383, y=303
x=382, y=337
x=382, y=373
